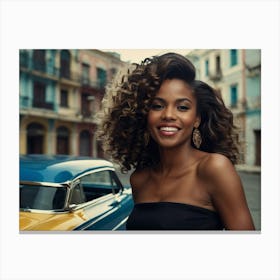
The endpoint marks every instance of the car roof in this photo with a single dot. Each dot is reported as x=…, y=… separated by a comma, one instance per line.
x=57, y=168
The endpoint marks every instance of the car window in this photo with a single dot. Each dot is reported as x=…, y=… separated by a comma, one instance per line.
x=115, y=183
x=42, y=197
x=77, y=195
x=96, y=184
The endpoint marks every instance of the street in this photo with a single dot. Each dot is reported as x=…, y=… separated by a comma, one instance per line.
x=252, y=187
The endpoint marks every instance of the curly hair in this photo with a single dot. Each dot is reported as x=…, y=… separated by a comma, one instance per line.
x=125, y=106
x=218, y=131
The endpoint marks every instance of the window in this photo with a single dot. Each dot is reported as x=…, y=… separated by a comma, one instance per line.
x=257, y=147
x=65, y=64
x=85, y=74
x=35, y=138
x=233, y=96
x=23, y=58
x=64, y=98
x=42, y=197
x=77, y=195
x=116, y=184
x=101, y=77
x=97, y=184
x=206, y=67
x=39, y=96
x=233, y=57
x=87, y=105
x=218, y=64
x=39, y=62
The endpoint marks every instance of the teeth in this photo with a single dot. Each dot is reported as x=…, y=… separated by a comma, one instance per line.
x=166, y=128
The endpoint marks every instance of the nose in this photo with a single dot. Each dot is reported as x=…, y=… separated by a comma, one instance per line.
x=168, y=113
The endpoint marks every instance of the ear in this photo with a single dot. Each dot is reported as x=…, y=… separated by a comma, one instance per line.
x=197, y=121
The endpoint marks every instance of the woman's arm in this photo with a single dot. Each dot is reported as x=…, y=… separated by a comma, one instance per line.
x=227, y=193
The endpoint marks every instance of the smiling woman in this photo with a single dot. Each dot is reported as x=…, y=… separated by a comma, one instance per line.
x=179, y=137
x=172, y=116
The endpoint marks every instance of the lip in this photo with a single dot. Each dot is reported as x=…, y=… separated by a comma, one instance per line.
x=168, y=129
x=169, y=125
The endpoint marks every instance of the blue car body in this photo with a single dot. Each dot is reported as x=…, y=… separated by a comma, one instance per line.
x=71, y=193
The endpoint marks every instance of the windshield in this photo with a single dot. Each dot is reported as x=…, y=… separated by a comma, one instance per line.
x=42, y=197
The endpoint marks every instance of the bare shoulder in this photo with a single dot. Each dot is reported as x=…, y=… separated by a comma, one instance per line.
x=214, y=162
x=227, y=194
x=216, y=169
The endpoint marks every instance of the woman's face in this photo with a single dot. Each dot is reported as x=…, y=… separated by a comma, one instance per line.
x=173, y=114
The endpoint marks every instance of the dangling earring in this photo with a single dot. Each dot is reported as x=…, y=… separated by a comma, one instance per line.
x=196, y=137
x=146, y=138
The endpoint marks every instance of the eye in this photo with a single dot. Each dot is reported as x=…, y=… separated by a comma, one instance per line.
x=183, y=108
x=156, y=107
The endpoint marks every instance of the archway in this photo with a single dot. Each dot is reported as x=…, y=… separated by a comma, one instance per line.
x=85, y=143
x=62, y=140
x=35, y=138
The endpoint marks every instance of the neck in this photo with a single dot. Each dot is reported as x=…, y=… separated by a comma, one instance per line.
x=174, y=159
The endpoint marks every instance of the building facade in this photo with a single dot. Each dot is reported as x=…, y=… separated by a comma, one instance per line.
x=236, y=74
x=60, y=92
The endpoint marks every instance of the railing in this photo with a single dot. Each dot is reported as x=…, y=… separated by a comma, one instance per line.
x=24, y=101
x=253, y=70
x=216, y=76
x=85, y=113
x=26, y=63
x=40, y=67
x=90, y=83
x=69, y=75
x=43, y=105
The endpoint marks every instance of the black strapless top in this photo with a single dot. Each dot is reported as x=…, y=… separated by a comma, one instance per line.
x=172, y=216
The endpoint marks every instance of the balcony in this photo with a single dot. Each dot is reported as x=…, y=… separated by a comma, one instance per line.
x=69, y=77
x=215, y=76
x=43, y=105
x=87, y=114
x=24, y=101
x=253, y=70
x=37, y=69
x=97, y=84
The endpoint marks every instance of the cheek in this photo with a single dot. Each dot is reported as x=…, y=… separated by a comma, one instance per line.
x=151, y=119
x=188, y=121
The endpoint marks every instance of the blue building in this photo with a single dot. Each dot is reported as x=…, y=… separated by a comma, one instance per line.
x=57, y=102
x=236, y=74
x=253, y=107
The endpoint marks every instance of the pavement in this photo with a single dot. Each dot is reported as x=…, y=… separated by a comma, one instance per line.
x=252, y=186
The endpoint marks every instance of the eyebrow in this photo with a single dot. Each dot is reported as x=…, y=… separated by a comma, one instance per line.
x=177, y=100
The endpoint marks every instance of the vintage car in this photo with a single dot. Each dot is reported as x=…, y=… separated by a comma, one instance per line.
x=63, y=193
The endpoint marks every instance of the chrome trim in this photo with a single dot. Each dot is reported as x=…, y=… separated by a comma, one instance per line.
x=27, y=210
x=95, y=202
x=109, y=212
x=92, y=171
x=70, y=184
x=47, y=184
x=120, y=224
x=77, y=181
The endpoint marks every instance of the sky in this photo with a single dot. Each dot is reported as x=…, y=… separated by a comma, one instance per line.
x=137, y=55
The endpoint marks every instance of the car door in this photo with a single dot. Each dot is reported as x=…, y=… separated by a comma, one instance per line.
x=103, y=200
